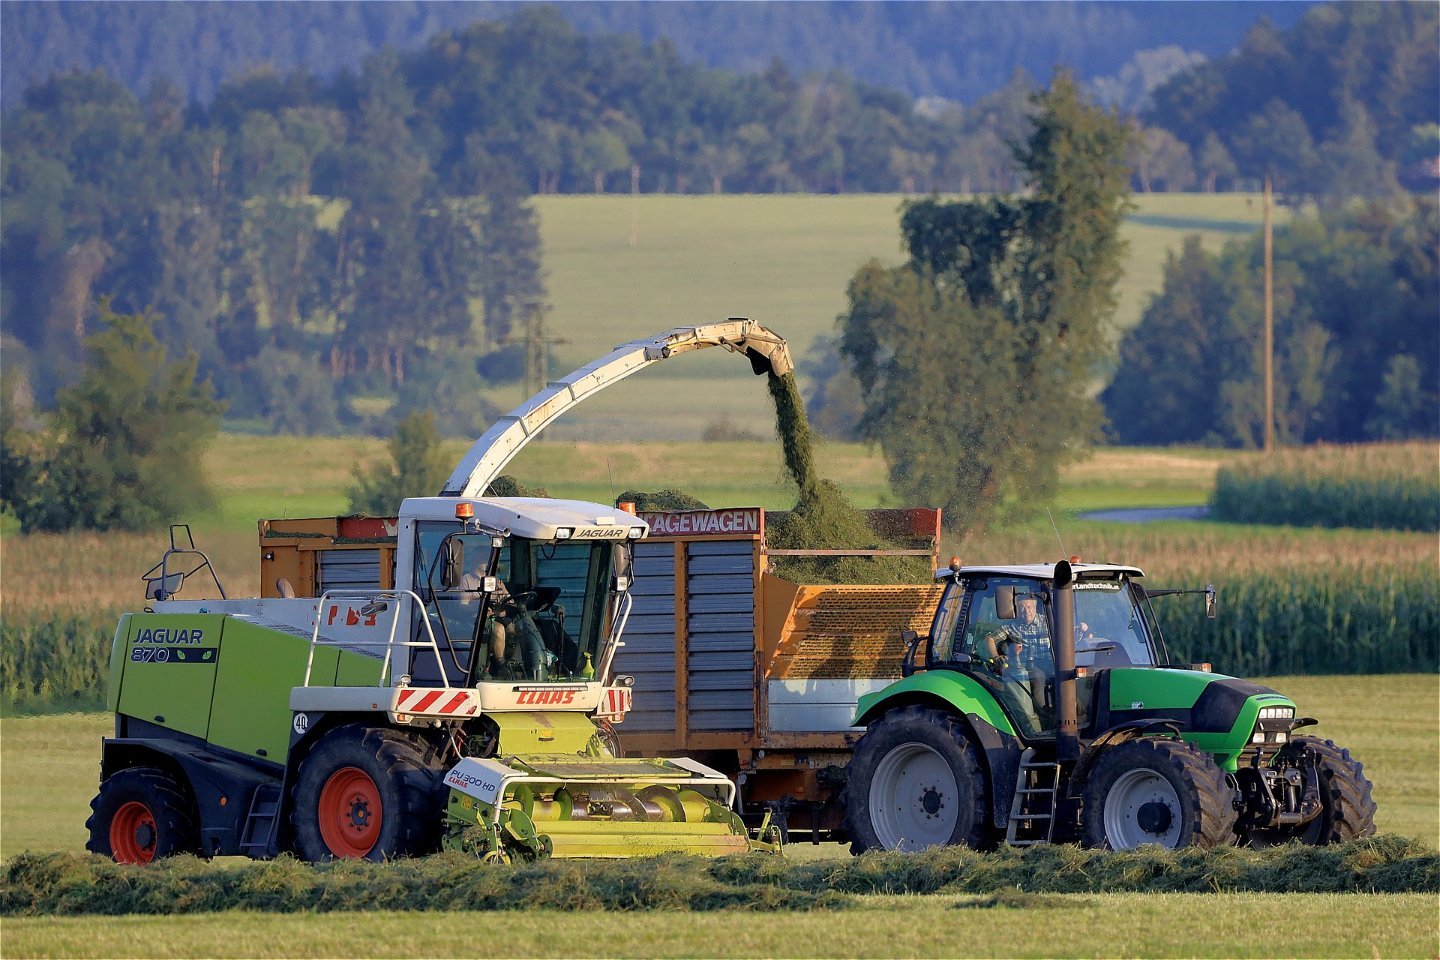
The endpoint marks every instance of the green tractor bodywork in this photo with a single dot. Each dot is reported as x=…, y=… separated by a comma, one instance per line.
x=368, y=720
x=1041, y=707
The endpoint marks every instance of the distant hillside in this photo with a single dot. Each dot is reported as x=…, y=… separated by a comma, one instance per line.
x=958, y=50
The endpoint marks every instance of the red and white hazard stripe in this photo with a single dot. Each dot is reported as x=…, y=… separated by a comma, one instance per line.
x=436, y=702
x=615, y=704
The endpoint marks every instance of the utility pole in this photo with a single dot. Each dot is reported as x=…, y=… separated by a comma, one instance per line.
x=1269, y=326
x=537, y=349
x=634, y=204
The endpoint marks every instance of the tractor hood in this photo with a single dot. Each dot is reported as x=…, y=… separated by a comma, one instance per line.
x=1215, y=712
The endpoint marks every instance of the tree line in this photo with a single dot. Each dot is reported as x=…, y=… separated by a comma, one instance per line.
x=306, y=240
x=958, y=49
x=1357, y=346
x=1344, y=104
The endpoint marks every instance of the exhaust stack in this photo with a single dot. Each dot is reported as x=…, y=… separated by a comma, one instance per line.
x=1067, y=733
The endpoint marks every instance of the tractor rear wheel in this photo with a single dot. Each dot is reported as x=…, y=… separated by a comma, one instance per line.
x=366, y=792
x=142, y=814
x=1347, y=809
x=1157, y=791
x=915, y=782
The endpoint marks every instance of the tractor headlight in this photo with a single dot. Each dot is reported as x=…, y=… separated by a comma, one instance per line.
x=1277, y=713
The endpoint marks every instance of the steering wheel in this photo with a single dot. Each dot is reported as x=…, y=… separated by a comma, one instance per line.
x=994, y=645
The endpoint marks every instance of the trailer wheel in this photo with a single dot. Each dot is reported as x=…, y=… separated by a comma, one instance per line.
x=1158, y=791
x=915, y=782
x=1347, y=809
x=366, y=792
x=140, y=815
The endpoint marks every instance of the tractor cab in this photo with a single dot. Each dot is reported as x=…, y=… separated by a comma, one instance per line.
x=997, y=625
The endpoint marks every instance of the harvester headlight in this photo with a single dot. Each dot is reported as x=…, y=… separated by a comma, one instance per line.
x=564, y=533
x=636, y=533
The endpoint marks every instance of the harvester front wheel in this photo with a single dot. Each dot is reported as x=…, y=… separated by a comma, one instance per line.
x=366, y=792
x=915, y=782
x=1158, y=791
x=142, y=814
x=1347, y=808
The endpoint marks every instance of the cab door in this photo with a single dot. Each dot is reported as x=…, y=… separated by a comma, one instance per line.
x=1005, y=630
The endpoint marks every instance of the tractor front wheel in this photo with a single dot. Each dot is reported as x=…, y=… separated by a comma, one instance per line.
x=915, y=782
x=366, y=793
x=1157, y=791
x=1347, y=809
x=142, y=814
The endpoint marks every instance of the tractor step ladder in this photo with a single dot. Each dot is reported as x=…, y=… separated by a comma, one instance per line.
x=259, y=829
x=1032, y=812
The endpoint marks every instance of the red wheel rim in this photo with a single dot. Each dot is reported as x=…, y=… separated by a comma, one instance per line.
x=350, y=813
x=133, y=833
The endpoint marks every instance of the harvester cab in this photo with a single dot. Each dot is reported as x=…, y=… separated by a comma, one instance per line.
x=1042, y=707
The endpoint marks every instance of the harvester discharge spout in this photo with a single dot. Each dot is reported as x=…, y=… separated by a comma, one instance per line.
x=765, y=349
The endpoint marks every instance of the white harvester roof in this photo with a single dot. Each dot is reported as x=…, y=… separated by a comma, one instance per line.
x=536, y=518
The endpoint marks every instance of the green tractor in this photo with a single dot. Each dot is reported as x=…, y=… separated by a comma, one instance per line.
x=1041, y=708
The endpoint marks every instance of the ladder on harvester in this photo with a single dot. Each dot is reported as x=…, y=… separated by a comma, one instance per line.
x=1032, y=811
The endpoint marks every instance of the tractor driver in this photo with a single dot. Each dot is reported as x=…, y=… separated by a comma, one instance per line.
x=1022, y=660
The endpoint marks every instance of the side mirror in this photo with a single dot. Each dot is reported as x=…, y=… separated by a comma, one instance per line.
x=1005, y=603
x=1210, y=600
x=163, y=588
x=452, y=564
x=911, y=639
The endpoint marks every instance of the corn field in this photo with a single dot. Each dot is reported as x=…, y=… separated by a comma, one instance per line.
x=62, y=595
x=1388, y=486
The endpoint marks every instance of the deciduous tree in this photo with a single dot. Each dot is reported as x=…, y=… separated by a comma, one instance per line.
x=975, y=356
x=123, y=450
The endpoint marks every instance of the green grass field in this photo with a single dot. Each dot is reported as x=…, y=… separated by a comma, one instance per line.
x=783, y=261
x=1102, y=925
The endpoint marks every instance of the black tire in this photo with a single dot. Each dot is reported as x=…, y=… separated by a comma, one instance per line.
x=914, y=782
x=365, y=792
x=1347, y=808
x=142, y=814
x=1158, y=791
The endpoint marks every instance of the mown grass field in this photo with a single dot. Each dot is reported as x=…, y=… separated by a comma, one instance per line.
x=783, y=261
x=1102, y=925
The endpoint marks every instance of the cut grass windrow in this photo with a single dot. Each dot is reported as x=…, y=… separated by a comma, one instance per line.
x=70, y=884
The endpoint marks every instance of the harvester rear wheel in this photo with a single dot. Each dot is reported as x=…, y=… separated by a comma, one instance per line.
x=1158, y=791
x=366, y=792
x=142, y=814
x=1347, y=809
x=915, y=782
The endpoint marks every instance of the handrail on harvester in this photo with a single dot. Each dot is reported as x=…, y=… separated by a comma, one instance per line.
x=499, y=445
